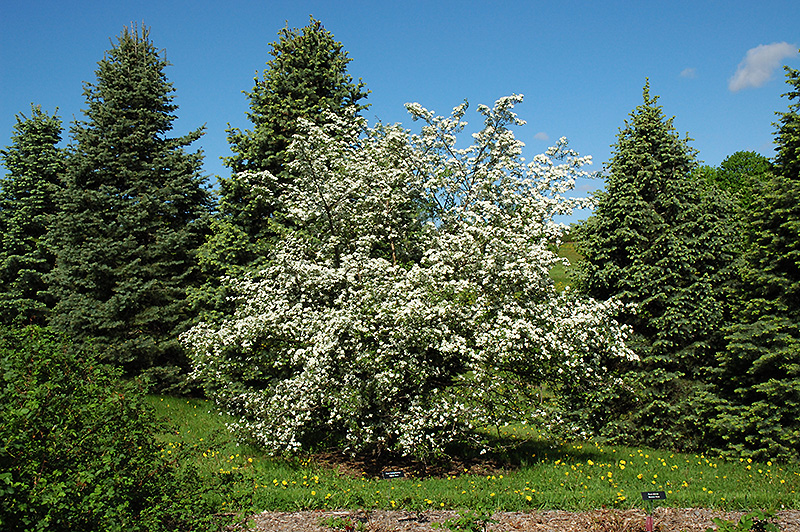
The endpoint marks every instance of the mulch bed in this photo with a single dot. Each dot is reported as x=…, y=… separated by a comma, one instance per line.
x=606, y=520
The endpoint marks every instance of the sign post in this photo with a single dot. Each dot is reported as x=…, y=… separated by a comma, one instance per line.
x=649, y=497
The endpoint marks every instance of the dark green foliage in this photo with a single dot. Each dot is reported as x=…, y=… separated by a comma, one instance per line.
x=79, y=451
x=27, y=204
x=787, y=138
x=759, y=374
x=742, y=175
x=306, y=78
x=132, y=215
x=663, y=243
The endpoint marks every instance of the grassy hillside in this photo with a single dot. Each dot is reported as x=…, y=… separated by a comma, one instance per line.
x=519, y=472
x=560, y=273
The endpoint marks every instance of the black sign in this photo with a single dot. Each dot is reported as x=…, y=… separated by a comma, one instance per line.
x=393, y=474
x=654, y=495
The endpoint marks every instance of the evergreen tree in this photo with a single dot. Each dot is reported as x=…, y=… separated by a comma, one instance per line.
x=27, y=204
x=306, y=78
x=658, y=241
x=787, y=138
x=759, y=375
x=132, y=215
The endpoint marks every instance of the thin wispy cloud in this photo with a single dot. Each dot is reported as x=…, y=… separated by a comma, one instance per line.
x=690, y=73
x=760, y=64
x=541, y=136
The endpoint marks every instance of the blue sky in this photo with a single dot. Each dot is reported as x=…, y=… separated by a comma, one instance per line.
x=580, y=64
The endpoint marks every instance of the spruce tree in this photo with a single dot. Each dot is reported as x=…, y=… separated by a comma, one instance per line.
x=759, y=374
x=306, y=78
x=132, y=215
x=658, y=241
x=27, y=203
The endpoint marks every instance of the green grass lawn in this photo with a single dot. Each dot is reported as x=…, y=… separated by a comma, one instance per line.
x=531, y=473
x=560, y=272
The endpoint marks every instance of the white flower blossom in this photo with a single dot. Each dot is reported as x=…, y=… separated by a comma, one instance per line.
x=414, y=294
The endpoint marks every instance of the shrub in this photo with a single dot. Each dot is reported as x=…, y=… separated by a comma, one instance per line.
x=79, y=449
x=410, y=299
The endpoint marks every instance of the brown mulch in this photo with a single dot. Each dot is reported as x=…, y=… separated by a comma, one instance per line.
x=358, y=466
x=664, y=520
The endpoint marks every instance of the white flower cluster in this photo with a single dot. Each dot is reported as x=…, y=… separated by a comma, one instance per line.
x=415, y=285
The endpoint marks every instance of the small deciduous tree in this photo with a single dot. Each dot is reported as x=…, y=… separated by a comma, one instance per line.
x=741, y=174
x=27, y=205
x=80, y=446
x=413, y=295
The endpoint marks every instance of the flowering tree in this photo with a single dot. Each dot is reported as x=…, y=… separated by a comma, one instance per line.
x=414, y=296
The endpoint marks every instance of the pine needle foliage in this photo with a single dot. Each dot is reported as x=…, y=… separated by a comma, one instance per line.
x=661, y=243
x=306, y=78
x=27, y=203
x=132, y=215
x=759, y=374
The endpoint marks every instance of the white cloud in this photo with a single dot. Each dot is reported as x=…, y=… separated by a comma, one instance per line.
x=541, y=136
x=689, y=73
x=759, y=64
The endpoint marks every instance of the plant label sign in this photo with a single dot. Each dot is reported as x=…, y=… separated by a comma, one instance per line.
x=393, y=474
x=654, y=495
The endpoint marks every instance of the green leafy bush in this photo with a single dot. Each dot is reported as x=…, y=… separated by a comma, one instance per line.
x=468, y=520
x=79, y=449
x=756, y=521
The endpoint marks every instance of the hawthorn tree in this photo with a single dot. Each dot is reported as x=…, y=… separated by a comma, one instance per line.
x=759, y=374
x=27, y=205
x=132, y=215
x=662, y=244
x=413, y=297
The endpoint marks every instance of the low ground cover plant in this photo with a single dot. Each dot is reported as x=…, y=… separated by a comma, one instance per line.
x=468, y=520
x=756, y=521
